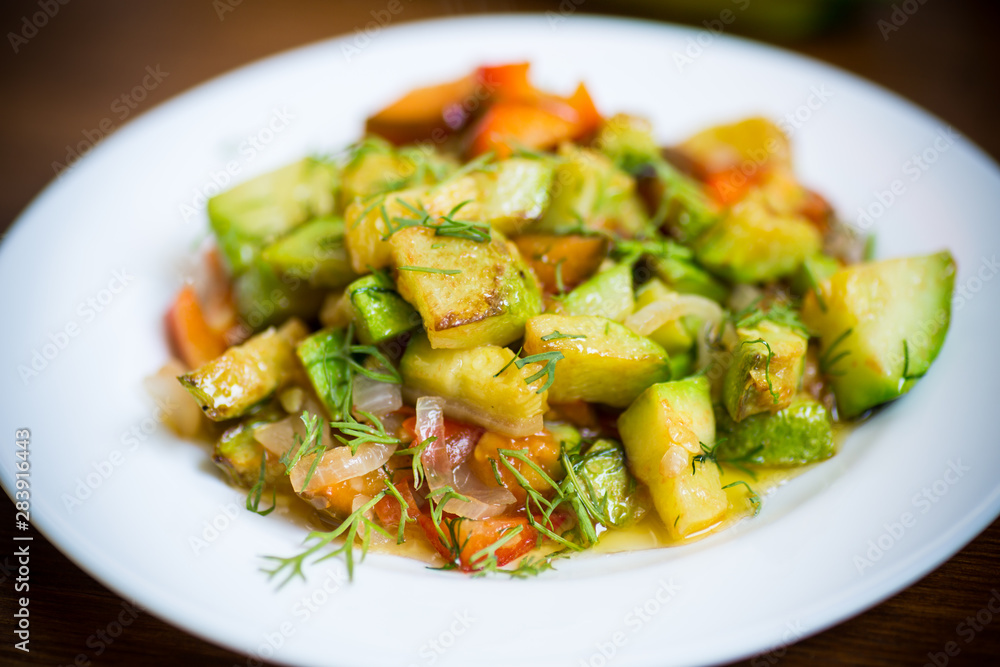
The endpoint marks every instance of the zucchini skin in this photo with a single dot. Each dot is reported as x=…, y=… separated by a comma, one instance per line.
x=881, y=325
x=798, y=434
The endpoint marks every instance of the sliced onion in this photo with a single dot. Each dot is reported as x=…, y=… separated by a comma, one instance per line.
x=465, y=411
x=378, y=398
x=337, y=464
x=177, y=408
x=484, y=501
x=279, y=436
x=671, y=307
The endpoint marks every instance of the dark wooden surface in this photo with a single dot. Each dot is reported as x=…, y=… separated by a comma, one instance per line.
x=62, y=81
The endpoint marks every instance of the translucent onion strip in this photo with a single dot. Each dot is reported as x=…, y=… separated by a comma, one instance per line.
x=337, y=464
x=484, y=501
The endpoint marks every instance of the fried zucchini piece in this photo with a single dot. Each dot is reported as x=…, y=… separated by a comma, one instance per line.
x=795, y=435
x=468, y=293
x=813, y=271
x=263, y=298
x=679, y=201
x=606, y=294
x=377, y=167
x=766, y=369
x=237, y=453
x=603, y=361
x=321, y=355
x=756, y=141
x=246, y=374
x=366, y=231
x=314, y=252
x=589, y=190
x=881, y=325
x=663, y=431
x=605, y=478
x=254, y=213
x=379, y=313
x=512, y=193
x=474, y=386
x=686, y=277
x=753, y=244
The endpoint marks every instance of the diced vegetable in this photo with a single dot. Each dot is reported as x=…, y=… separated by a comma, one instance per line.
x=752, y=244
x=765, y=371
x=562, y=261
x=512, y=193
x=321, y=355
x=663, y=431
x=795, y=435
x=591, y=192
x=474, y=387
x=881, y=325
x=379, y=312
x=194, y=340
x=541, y=448
x=606, y=294
x=238, y=453
x=754, y=143
x=628, y=141
x=465, y=546
x=263, y=298
x=814, y=270
x=468, y=292
x=254, y=213
x=674, y=335
x=508, y=125
x=431, y=112
x=602, y=361
x=246, y=374
x=605, y=477
x=313, y=252
x=377, y=168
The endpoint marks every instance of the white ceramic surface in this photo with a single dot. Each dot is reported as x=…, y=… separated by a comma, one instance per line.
x=792, y=571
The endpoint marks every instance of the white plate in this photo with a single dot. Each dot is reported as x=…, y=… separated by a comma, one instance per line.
x=790, y=572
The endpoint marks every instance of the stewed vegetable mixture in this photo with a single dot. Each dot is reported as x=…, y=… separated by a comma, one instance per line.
x=505, y=326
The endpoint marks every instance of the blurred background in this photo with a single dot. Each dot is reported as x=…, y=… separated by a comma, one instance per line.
x=68, y=75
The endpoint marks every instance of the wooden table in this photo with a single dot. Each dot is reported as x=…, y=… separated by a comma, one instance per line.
x=60, y=88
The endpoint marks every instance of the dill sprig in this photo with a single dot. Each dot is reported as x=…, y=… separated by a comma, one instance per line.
x=311, y=444
x=548, y=371
x=430, y=269
x=253, y=498
x=830, y=358
x=362, y=433
x=708, y=455
x=775, y=396
x=779, y=313
x=443, y=225
x=543, y=505
x=349, y=529
x=417, y=466
x=752, y=495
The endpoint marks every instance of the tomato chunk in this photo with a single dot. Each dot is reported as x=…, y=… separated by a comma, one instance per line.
x=432, y=112
x=507, y=125
x=475, y=536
